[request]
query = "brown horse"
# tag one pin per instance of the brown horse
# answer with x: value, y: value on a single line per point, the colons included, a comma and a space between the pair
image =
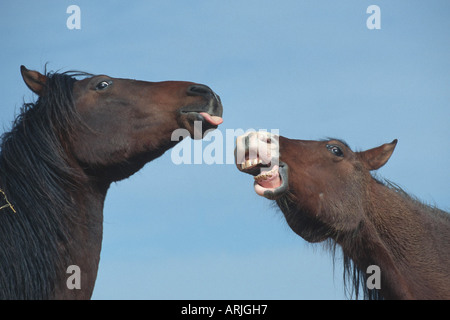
x: 59, y: 159
x: 326, y: 192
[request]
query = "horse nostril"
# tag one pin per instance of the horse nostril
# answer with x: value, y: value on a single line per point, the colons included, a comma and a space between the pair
x: 200, y: 90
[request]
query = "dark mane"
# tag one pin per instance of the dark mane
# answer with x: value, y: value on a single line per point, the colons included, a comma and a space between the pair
x: 35, y: 174
x: 355, y: 279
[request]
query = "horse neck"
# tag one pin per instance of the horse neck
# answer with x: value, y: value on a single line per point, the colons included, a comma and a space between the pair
x: 409, y: 241
x: 87, y: 240
x: 46, y: 240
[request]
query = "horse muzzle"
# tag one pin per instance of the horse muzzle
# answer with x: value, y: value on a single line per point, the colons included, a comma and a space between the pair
x: 257, y: 154
x: 207, y: 113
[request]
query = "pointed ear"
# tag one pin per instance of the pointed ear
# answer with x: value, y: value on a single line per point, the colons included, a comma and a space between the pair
x: 375, y: 158
x: 34, y: 80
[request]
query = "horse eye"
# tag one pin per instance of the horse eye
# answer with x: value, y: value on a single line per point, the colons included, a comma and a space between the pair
x: 335, y: 150
x: 103, y: 85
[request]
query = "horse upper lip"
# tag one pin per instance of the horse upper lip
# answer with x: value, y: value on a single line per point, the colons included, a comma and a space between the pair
x: 197, y: 112
x: 212, y: 106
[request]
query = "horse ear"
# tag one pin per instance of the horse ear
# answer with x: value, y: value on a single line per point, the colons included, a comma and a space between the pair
x: 34, y: 80
x: 377, y: 157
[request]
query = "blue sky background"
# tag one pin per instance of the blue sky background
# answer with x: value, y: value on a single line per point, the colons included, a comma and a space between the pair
x: 311, y: 69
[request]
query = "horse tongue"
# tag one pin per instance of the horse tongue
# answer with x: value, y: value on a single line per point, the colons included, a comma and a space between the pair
x: 214, y: 120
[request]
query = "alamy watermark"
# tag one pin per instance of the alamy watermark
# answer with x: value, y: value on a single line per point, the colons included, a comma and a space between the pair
x: 374, y: 20
x: 374, y: 280
x: 217, y: 148
x: 74, y: 280
x: 73, y: 22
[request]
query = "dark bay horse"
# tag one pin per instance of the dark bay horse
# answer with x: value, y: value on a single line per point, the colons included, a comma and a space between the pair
x: 59, y: 159
x: 327, y: 193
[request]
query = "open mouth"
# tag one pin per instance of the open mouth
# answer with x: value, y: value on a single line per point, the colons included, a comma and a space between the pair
x: 258, y: 156
x: 270, y: 181
x: 253, y: 166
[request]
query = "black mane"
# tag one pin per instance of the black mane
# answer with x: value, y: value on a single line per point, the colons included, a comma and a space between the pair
x: 36, y: 175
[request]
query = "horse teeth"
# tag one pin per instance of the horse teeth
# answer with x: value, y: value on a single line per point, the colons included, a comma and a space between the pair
x: 265, y: 175
x: 250, y: 163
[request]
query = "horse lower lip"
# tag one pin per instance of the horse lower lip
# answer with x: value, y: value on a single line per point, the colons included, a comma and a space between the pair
x: 267, y: 181
x: 276, y: 187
